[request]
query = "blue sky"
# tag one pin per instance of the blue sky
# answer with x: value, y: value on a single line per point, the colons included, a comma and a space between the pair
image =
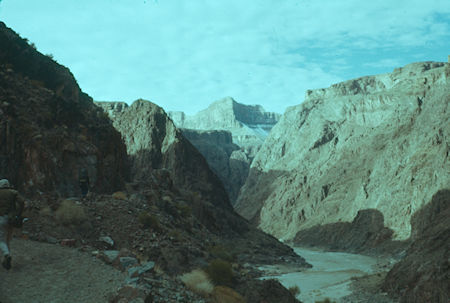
x: 183, y: 55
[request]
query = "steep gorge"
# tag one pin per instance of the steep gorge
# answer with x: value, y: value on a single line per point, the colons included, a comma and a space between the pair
x: 228, y: 134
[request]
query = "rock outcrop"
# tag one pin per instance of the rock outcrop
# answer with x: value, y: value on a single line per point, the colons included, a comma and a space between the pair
x: 154, y: 142
x: 247, y: 125
x: 50, y: 129
x: 378, y: 142
x: 423, y: 274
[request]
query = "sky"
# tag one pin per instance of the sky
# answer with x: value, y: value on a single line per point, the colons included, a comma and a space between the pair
x: 184, y: 55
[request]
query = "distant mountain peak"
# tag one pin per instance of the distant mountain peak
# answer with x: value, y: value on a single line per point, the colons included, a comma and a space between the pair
x: 228, y: 114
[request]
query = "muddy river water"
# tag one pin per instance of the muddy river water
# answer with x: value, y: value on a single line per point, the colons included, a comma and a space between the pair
x: 330, y: 275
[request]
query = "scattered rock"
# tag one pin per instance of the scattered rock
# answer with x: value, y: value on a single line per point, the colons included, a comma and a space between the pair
x: 108, y: 240
x: 109, y: 256
x: 126, y: 262
x: 68, y: 242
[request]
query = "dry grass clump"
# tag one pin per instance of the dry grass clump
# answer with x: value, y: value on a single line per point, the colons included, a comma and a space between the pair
x: 223, y: 294
x: 198, y: 281
x: 119, y: 195
x: 149, y: 221
x: 70, y: 213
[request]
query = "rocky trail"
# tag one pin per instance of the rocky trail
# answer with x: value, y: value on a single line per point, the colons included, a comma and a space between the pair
x: 44, y: 272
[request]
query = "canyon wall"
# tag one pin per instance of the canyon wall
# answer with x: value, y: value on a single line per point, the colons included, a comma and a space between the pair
x: 377, y: 142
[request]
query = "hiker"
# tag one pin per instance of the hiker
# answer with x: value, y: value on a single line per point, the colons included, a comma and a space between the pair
x: 83, y: 181
x: 11, y: 207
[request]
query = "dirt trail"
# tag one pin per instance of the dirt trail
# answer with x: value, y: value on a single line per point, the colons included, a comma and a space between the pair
x: 51, y: 273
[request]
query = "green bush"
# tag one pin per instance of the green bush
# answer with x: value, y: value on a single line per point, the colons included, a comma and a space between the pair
x: 294, y: 290
x: 149, y: 221
x: 219, y: 271
x: 327, y: 300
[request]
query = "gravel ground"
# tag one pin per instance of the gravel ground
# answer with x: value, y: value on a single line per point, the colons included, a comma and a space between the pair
x: 51, y: 273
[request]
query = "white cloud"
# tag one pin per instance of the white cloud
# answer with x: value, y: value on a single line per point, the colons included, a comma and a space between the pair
x: 185, y: 54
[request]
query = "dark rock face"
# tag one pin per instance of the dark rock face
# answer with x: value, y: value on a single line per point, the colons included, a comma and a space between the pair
x: 224, y: 157
x: 50, y: 129
x: 365, y: 232
x: 153, y: 142
x: 423, y: 275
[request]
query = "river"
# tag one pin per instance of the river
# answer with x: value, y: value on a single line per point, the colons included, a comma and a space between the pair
x: 330, y: 275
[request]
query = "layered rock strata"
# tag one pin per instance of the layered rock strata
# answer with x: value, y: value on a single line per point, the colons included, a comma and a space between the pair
x: 378, y: 142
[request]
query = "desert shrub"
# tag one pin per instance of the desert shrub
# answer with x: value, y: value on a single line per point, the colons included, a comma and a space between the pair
x: 220, y: 252
x: 119, y: 195
x: 223, y: 294
x: 198, y: 281
x: 149, y: 221
x: 219, y: 271
x: 70, y: 213
x: 294, y: 290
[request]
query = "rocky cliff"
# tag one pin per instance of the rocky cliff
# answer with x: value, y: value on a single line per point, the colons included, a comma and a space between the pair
x: 153, y: 142
x: 247, y: 125
x: 378, y: 142
x: 50, y: 129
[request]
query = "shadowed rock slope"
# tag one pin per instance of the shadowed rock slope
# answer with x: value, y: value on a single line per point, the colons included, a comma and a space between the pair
x: 50, y: 129
x: 154, y: 143
x: 378, y: 142
x: 423, y: 275
x: 226, y: 159
x: 228, y: 134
